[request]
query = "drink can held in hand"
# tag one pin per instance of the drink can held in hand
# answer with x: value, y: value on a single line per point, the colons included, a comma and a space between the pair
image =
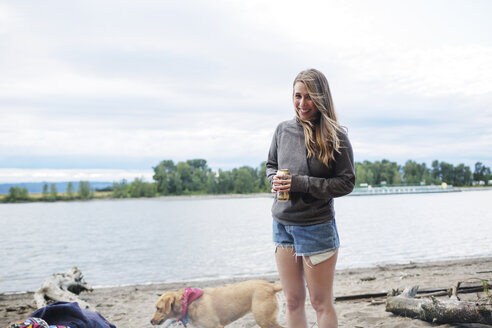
x: 283, y: 196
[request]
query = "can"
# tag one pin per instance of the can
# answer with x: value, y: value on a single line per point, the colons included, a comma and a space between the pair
x: 283, y: 196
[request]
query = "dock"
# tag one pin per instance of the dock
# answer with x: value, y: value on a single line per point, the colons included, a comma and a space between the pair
x: 393, y: 190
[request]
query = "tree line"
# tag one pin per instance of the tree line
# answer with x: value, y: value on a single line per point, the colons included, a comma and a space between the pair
x: 194, y: 177
x: 386, y: 172
x: 49, y: 193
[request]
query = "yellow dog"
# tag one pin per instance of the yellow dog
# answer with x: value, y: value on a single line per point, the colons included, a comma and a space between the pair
x: 220, y: 306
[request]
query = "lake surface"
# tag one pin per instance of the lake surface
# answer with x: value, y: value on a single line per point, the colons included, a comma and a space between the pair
x: 136, y: 241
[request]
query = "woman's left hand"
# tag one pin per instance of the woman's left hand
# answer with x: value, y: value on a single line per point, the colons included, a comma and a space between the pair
x: 281, y: 183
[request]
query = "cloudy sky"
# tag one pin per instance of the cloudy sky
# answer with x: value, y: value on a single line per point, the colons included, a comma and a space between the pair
x: 103, y: 90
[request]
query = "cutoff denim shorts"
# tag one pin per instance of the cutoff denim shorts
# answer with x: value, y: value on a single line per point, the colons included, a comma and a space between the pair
x: 307, y: 240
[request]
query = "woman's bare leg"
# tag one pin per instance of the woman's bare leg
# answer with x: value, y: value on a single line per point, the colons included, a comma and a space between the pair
x: 319, y: 280
x: 290, y: 270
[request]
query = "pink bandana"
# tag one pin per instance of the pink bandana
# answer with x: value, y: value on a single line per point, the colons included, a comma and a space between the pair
x: 189, y: 295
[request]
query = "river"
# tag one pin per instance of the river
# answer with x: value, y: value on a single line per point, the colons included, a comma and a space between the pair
x: 136, y: 241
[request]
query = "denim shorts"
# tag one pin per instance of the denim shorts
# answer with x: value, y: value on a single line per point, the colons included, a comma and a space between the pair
x: 307, y: 240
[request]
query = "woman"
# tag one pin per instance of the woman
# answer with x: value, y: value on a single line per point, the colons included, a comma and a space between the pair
x: 317, y: 152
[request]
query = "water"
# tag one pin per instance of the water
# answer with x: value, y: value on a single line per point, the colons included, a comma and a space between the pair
x: 120, y: 242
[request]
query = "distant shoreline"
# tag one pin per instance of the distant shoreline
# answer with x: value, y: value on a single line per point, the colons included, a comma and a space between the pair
x: 36, y: 198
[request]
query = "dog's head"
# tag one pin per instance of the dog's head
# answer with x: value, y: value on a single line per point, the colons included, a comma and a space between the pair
x: 168, y: 306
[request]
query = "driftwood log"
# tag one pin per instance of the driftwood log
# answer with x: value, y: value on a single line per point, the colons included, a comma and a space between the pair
x: 63, y: 287
x: 431, y: 309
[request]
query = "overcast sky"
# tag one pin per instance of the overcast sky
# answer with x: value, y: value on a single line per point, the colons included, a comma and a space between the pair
x: 103, y: 90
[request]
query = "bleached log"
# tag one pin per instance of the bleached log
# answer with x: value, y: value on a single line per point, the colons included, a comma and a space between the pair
x: 438, y: 311
x: 63, y: 287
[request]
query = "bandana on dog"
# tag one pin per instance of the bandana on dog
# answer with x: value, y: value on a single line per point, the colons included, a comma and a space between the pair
x: 189, y: 295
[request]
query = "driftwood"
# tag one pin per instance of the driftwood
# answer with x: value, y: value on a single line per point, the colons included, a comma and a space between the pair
x: 420, y: 293
x: 360, y: 296
x: 431, y: 309
x: 63, y: 287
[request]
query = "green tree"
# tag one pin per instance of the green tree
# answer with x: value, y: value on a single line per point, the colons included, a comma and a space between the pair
x: 436, y: 172
x: 370, y: 178
x: 462, y: 175
x: 378, y: 172
x: 69, y: 192
x: 366, y: 172
x: 84, y: 190
x: 197, y: 165
x: 150, y: 189
x: 263, y: 183
x: 17, y: 194
x: 44, y: 193
x: 225, y: 182
x: 136, y: 188
x: 166, y: 177
x: 244, y: 181
x: 185, y: 173
x: 176, y: 184
x: 360, y: 173
x: 414, y: 173
x: 140, y: 188
x: 53, y: 193
x: 481, y: 173
x: 390, y: 172
x: 397, y: 179
x: 447, y: 172
x: 194, y: 176
x: 212, y: 183
x: 189, y: 177
x: 120, y: 189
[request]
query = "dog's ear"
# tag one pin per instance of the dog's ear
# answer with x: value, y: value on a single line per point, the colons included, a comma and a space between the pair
x: 166, y: 306
x: 163, y: 304
x: 170, y: 303
x: 176, y: 305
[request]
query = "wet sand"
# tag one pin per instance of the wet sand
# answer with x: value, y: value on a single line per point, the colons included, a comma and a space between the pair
x: 133, y: 306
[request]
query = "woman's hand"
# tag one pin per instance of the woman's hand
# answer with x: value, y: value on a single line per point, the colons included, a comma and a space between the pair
x: 281, y: 182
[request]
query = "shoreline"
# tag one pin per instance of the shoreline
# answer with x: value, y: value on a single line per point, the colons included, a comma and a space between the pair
x: 133, y: 305
x: 240, y: 277
x: 37, y: 199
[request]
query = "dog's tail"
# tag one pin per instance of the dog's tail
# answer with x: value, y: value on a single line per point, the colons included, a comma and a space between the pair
x: 277, y: 287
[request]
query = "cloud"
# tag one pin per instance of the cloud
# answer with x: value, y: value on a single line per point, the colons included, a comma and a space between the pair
x: 205, y: 135
x: 458, y: 71
x: 400, y: 46
x: 96, y: 84
x: 443, y: 140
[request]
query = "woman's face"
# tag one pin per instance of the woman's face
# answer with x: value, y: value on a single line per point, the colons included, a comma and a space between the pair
x: 303, y: 103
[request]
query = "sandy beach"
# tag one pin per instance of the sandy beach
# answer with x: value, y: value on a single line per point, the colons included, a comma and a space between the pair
x: 133, y: 306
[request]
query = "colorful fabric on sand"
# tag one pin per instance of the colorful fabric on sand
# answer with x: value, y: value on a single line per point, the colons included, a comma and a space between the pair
x: 33, y: 323
x: 189, y: 295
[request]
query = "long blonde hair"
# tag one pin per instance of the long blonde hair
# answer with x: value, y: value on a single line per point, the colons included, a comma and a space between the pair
x: 321, y: 135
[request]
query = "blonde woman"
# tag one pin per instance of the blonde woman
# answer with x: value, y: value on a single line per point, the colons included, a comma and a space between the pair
x: 317, y: 152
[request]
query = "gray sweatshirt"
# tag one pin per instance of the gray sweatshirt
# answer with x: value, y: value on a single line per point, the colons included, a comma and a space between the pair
x: 314, y: 185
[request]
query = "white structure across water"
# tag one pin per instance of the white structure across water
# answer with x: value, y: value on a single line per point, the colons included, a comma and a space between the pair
x: 369, y: 190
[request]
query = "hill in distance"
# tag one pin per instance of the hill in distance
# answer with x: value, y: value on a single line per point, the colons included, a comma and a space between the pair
x: 37, y: 187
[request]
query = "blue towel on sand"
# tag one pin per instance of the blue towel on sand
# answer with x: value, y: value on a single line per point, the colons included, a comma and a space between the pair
x: 70, y: 314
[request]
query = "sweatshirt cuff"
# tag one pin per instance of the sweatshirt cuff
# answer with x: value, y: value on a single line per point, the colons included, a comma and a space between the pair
x: 299, y: 183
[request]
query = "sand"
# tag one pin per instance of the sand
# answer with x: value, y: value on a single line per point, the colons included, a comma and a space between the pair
x: 133, y: 306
